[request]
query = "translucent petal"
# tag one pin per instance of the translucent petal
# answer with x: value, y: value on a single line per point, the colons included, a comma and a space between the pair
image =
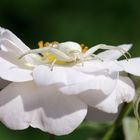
x: 124, y: 92
x: 24, y: 104
x: 114, y: 54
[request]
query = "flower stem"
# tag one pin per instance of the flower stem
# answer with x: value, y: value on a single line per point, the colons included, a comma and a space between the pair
x: 51, y: 137
x: 124, y: 111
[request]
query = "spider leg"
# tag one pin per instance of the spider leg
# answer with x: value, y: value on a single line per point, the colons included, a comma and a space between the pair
x: 77, y: 56
x: 52, y: 64
x: 106, y: 47
x: 40, y: 50
x: 60, y: 55
x: 52, y: 51
x: 81, y: 58
x: 96, y: 56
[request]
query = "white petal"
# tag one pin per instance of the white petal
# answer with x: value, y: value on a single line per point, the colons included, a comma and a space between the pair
x: 114, y: 54
x: 12, y: 112
x: 11, y: 40
x: 127, y: 90
x: 7, y: 58
x: 124, y: 92
x: 11, y: 72
x: 44, y: 76
x: 113, y: 66
x: 97, y: 67
x: 5, y: 64
x: 59, y: 75
x: 131, y: 66
x: 16, y: 74
x: 9, y: 46
x: 99, y: 86
x: 97, y: 115
x: 10, y: 49
x: 3, y: 83
x: 23, y: 104
x: 91, y: 67
x: 27, y: 62
x: 12, y: 45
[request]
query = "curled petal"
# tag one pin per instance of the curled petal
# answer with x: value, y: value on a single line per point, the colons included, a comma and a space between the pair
x: 91, y: 67
x: 9, y: 41
x: 44, y: 76
x: 131, y: 66
x: 99, y: 86
x: 11, y: 72
x: 43, y: 108
x: 124, y: 92
x: 16, y: 75
x: 27, y: 62
x: 97, y: 115
x: 114, y: 54
x: 3, y: 83
x: 10, y: 59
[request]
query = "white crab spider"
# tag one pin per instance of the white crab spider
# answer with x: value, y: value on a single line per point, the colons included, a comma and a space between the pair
x: 72, y: 52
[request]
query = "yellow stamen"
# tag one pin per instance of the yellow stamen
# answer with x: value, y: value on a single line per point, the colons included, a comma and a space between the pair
x: 51, y: 58
x: 54, y: 44
x: 84, y: 48
x: 46, y: 44
x: 40, y: 44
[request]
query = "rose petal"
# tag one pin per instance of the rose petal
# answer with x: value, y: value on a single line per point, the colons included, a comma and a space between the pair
x: 3, y: 83
x: 91, y: 67
x: 44, y: 76
x: 16, y: 74
x: 131, y: 66
x: 11, y: 40
x: 113, y: 66
x: 114, y: 54
x: 10, y: 59
x: 59, y: 75
x: 97, y: 115
x: 11, y: 72
x: 27, y: 62
x: 124, y: 92
x: 24, y: 104
x: 9, y: 46
x: 10, y: 50
x: 100, y: 85
x: 12, y: 112
x: 5, y: 64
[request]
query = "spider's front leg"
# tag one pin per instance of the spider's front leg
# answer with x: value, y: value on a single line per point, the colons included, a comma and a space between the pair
x: 52, y: 64
x: 52, y: 52
x: 40, y: 50
x: 93, y: 49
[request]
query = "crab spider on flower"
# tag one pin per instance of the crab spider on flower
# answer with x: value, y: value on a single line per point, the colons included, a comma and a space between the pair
x: 56, y: 101
x: 71, y: 52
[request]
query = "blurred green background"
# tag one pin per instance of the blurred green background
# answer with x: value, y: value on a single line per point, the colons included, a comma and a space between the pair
x: 85, y: 21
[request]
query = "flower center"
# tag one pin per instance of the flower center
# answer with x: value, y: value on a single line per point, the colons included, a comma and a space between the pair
x: 46, y: 55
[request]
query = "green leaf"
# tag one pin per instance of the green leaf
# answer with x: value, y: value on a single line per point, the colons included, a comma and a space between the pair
x: 86, y: 131
x: 130, y: 127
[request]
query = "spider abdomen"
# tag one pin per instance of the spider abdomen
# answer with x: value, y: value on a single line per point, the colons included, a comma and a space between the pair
x: 69, y: 47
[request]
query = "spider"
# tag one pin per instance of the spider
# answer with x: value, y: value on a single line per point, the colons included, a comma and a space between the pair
x: 70, y: 52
